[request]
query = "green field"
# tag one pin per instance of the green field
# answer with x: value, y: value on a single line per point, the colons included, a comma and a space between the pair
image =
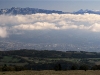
x: 51, y: 72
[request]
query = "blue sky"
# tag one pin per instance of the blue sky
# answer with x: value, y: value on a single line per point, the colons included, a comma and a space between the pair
x: 63, y: 5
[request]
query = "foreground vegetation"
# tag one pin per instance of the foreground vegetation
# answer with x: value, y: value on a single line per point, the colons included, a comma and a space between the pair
x: 51, y: 72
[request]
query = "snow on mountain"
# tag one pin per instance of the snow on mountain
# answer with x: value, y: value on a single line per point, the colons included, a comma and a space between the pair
x: 81, y: 11
x: 24, y: 11
x: 27, y: 10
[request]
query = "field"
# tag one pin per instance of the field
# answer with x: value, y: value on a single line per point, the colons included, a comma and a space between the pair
x: 50, y: 72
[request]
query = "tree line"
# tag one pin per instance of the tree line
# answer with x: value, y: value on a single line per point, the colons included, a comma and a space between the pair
x: 56, y: 67
x: 50, y: 54
x: 84, y: 67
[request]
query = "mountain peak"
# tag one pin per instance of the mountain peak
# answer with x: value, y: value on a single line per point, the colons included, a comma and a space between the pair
x: 81, y: 11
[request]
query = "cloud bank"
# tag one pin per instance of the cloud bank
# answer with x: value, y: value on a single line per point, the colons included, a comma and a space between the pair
x: 12, y: 24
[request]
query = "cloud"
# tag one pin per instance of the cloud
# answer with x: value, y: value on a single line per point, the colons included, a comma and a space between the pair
x: 36, y: 26
x: 3, y: 32
x: 95, y: 27
x: 15, y: 23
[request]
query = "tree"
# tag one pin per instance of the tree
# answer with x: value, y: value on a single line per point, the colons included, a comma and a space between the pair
x: 84, y: 67
x: 58, y: 67
x: 95, y: 67
x: 74, y: 67
x: 4, y: 68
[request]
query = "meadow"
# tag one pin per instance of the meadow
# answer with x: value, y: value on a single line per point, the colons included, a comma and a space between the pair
x: 51, y: 72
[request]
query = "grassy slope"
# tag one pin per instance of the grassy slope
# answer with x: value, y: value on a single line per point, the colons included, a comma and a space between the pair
x: 49, y: 72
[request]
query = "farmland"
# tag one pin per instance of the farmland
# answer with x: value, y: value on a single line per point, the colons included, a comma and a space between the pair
x: 47, y: 60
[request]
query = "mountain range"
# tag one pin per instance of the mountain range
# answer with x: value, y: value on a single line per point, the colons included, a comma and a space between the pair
x: 27, y: 10
x: 24, y: 11
x: 81, y: 11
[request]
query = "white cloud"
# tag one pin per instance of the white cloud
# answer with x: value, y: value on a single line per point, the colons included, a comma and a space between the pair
x: 11, y: 23
x: 3, y: 32
x: 36, y: 26
x: 95, y: 27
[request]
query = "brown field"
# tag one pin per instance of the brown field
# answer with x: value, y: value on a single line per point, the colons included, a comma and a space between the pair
x: 50, y: 72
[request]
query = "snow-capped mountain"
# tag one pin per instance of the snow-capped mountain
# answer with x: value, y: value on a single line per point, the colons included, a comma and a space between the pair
x: 24, y: 11
x: 81, y: 11
x: 27, y: 10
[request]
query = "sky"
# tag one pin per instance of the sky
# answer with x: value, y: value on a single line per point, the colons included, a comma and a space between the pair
x: 63, y: 5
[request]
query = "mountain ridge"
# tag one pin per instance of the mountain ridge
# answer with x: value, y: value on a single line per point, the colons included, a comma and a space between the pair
x: 27, y: 10
x: 24, y: 11
x: 81, y: 11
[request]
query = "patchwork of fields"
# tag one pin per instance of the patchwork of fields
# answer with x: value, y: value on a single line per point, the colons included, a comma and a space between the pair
x: 47, y: 60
